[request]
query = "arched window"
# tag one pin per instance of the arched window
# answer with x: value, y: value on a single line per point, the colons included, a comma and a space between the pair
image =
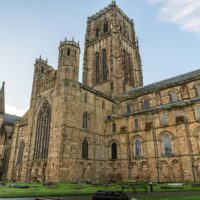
x: 129, y: 108
x: 114, y: 151
x: 130, y: 69
x: 85, y: 120
x: 164, y: 119
x: 85, y: 149
x: 103, y: 104
x: 167, y: 147
x: 104, y: 65
x: 197, y: 112
x: 113, y: 127
x: 124, y: 63
x: 136, y: 125
x: 97, y: 32
x: 20, y: 152
x: 105, y: 27
x: 146, y: 104
x: 198, y: 90
x: 68, y: 52
x: 42, y: 131
x: 97, y: 67
x: 174, y: 97
x: 138, y: 148
x: 85, y: 98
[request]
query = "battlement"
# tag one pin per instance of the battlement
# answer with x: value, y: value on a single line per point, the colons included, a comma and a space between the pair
x: 106, y: 9
x: 69, y: 42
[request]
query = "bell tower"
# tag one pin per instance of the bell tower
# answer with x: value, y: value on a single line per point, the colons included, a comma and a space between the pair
x: 112, y: 61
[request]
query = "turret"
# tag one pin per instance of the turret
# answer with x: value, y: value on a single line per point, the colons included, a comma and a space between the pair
x: 2, y: 99
x: 69, y: 58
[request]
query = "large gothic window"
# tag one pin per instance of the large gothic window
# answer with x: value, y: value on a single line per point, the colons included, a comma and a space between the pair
x: 104, y: 67
x: 85, y: 149
x: 130, y: 70
x: 97, y: 67
x: 20, y: 152
x: 127, y: 67
x: 167, y: 147
x: 42, y: 131
x: 114, y: 151
x: 138, y: 149
x: 85, y: 120
x: 124, y: 62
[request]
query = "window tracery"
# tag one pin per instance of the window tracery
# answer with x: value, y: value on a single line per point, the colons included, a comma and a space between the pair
x: 42, y: 131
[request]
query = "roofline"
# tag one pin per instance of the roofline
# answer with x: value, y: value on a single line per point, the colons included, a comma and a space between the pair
x: 164, y: 84
x: 96, y: 92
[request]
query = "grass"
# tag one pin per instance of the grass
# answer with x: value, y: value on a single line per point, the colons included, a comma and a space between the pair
x: 169, y: 198
x: 37, y: 189
x: 62, y: 189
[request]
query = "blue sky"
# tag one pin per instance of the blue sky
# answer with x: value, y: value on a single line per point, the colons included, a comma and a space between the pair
x: 168, y: 31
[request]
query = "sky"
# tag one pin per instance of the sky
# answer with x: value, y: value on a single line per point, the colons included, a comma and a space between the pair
x: 168, y: 32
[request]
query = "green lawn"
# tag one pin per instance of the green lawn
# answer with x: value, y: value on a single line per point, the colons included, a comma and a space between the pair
x: 62, y: 189
x: 170, y: 198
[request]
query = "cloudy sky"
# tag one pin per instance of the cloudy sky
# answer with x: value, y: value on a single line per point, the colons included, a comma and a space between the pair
x: 168, y: 31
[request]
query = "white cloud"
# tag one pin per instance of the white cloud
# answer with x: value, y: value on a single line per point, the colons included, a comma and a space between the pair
x: 184, y: 13
x: 15, y: 111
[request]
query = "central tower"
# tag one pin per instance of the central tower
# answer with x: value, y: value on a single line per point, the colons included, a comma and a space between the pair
x: 112, y: 63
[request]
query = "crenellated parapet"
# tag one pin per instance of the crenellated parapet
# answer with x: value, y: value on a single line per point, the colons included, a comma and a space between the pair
x: 106, y: 9
x: 69, y: 42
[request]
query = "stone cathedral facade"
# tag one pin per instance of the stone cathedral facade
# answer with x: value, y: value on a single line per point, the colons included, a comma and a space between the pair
x: 110, y: 127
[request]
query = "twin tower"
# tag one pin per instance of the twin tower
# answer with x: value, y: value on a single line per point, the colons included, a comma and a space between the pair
x: 112, y: 63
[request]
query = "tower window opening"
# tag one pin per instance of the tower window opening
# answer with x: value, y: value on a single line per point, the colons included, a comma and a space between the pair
x: 114, y: 151
x: 85, y: 149
x: 104, y: 66
x: 97, y: 67
x: 105, y: 27
x: 68, y: 52
x: 97, y: 32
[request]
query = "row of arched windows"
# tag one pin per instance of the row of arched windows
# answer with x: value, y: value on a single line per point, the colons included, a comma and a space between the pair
x: 173, y: 98
x: 101, y: 67
x: 166, y: 145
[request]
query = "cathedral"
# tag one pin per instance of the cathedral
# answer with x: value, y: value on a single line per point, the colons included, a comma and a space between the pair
x: 110, y: 127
